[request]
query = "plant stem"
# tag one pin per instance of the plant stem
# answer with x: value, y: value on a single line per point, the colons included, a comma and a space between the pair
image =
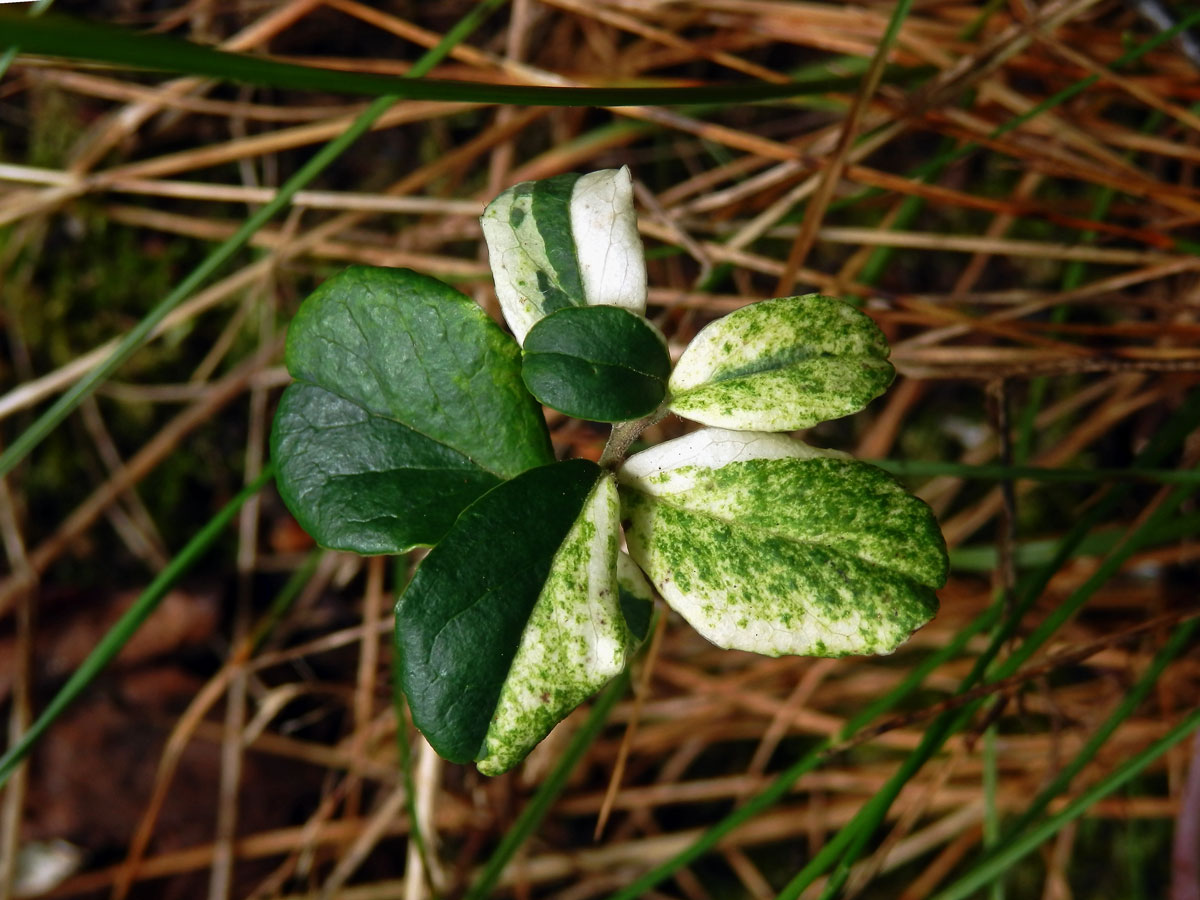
x: 623, y: 435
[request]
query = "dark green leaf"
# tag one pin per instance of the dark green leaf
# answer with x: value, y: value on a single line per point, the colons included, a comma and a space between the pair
x: 601, y: 363
x: 513, y: 619
x: 637, y: 598
x: 366, y: 483
x: 410, y: 406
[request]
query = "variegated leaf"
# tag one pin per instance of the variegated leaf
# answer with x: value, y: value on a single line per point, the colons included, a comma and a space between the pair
x: 766, y: 544
x: 780, y: 365
x: 514, y: 618
x: 570, y: 240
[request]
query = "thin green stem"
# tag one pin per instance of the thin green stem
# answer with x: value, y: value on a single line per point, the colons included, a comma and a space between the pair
x: 779, y: 788
x: 852, y: 839
x: 991, y: 810
x: 1019, y: 847
x: 1180, y: 639
x: 539, y: 804
x: 997, y: 472
x: 117, y: 636
x: 1073, y: 277
x: 137, y: 336
x: 115, y: 639
x: 1098, y: 543
x: 941, y: 160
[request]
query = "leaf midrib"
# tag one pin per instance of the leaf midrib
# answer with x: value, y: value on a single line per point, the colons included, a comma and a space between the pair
x: 390, y: 418
x: 598, y: 362
x: 781, y: 361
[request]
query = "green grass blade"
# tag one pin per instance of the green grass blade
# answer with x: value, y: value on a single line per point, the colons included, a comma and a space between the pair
x: 997, y: 472
x: 779, y: 788
x: 539, y: 804
x: 1037, y: 553
x: 1030, y: 841
x: 7, y: 57
x: 1073, y: 277
x: 286, y: 596
x: 1176, y: 644
x: 851, y: 840
x: 138, y: 335
x: 63, y: 37
x: 117, y: 636
x: 941, y: 160
x: 991, y: 811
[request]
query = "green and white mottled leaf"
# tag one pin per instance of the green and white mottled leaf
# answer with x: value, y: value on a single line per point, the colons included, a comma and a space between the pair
x: 570, y: 240
x: 780, y: 365
x: 601, y: 363
x: 765, y: 544
x: 409, y: 405
x: 514, y: 618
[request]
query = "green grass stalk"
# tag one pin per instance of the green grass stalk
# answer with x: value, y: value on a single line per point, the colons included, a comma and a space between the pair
x: 117, y: 636
x: 850, y: 841
x: 137, y: 336
x: 1025, y: 844
x: 539, y: 804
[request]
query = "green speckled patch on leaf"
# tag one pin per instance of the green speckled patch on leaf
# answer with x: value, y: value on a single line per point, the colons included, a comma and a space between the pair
x: 780, y: 365
x: 787, y: 553
x: 574, y: 641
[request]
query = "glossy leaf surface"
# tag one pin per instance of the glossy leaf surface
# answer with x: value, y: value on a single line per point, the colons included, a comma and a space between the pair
x: 514, y: 618
x: 765, y: 544
x: 601, y: 363
x: 637, y: 597
x: 378, y: 446
x: 780, y: 365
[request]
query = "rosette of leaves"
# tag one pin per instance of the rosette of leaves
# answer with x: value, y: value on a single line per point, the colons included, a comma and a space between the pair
x: 414, y: 421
